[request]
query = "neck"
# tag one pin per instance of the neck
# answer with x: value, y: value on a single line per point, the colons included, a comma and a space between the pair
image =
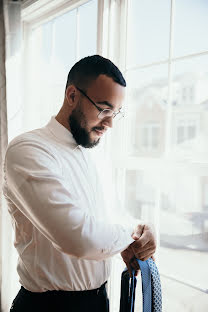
x: 61, y: 118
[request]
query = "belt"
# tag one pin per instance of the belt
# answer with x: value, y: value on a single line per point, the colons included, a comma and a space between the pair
x: 65, y: 292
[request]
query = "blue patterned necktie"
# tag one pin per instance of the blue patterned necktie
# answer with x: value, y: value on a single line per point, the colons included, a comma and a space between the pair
x: 156, y: 286
x: 151, y: 288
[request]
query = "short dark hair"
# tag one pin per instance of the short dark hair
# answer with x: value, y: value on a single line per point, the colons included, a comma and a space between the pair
x: 89, y: 68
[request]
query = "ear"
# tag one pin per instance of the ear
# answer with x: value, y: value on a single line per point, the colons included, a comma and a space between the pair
x: 71, y: 95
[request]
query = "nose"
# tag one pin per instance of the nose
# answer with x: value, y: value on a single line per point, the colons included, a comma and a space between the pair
x: 108, y: 122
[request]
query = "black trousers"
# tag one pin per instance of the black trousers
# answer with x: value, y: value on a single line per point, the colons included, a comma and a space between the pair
x: 95, y: 300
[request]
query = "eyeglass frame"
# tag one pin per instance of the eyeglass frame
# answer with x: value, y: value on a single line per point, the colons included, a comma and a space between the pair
x: 99, y: 108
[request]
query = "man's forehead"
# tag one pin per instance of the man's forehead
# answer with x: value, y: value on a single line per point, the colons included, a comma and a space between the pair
x: 105, y: 88
x: 103, y: 81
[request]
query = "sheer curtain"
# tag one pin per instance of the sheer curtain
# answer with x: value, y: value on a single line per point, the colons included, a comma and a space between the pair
x: 10, y: 126
x: 3, y: 111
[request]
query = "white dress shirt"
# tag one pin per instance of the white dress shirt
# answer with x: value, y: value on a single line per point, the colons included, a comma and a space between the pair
x: 55, y: 199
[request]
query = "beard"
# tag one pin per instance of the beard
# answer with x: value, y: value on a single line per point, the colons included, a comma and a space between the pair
x: 80, y: 134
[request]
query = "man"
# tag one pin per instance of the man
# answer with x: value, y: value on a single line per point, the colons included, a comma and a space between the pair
x: 52, y: 188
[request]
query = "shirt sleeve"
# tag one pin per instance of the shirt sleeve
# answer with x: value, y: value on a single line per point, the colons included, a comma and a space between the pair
x: 36, y: 186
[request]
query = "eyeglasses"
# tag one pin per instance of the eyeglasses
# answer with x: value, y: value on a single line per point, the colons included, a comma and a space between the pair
x: 104, y: 113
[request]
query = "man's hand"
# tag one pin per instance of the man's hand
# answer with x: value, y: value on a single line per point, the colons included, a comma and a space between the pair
x: 142, y: 248
x: 128, y: 254
x: 145, y: 243
x: 130, y: 260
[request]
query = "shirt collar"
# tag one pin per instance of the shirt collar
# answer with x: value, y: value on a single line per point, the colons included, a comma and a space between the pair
x: 60, y: 132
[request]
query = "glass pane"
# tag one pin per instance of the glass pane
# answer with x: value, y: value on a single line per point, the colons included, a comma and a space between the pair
x: 180, y: 134
x: 148, y: 31
x: 46, y: 48
x: 88, y: 29
x: 191, y: 132
x: 144, y: 137
x: 52, y: 52
x: 64, y: 45
x: 146, y: 111
x: 140, y: 194
x: 190, y: 111
x: 155, y: 136
x: 190, y: 27
x: 184, y: 240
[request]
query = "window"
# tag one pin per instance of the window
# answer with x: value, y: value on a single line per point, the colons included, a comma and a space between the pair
x: 186, y: 130
x: 161, y: 36
x: 150, y: 136
x: 53, y: 47
x: 190, y: 27
x: 148, y: 31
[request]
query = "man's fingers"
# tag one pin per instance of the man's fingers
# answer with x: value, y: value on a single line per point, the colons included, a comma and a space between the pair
x: 137, y: 248
x: 138, y: 231
x: 141, y: 242
x: 129, y: 269
x: 135, y: 264
x: 145, y: 242
x: 136, y: 236
x: 146, y: 257
x: 145, y: 238
x: 144, y: 245
x: 144, y: 253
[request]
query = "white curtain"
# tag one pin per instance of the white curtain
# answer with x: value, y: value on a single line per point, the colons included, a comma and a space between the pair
x: 3, y: 111
x: 10, y: 126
